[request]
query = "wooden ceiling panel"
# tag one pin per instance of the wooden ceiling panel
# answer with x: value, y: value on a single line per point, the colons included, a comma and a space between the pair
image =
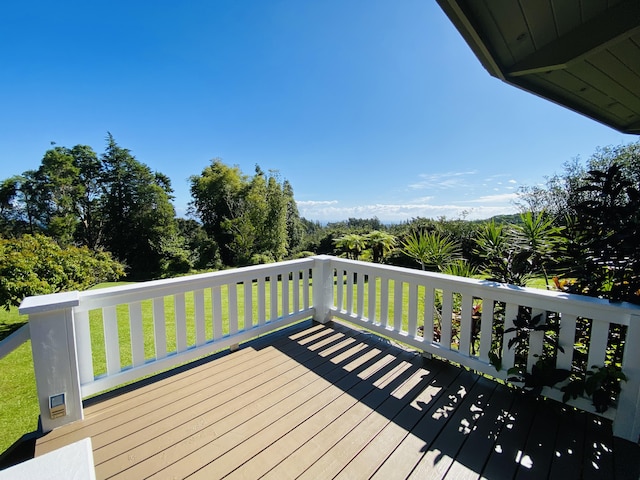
x: 628, y: 53
x: 566, y: 14
x: 539, y: 17
x: 513, y: 28
x: 592, y: 8
x: 584, y: 54
x: 485, y: 23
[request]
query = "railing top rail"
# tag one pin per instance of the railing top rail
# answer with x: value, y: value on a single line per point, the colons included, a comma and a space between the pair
x: 156, y: 288
x: 13, y: 341
x: 580, y: 305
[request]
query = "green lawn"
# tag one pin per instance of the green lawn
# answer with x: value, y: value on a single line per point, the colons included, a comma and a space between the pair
x: 18, y: 398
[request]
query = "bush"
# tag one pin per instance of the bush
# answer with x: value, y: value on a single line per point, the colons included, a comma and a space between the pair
x: 36, y: 265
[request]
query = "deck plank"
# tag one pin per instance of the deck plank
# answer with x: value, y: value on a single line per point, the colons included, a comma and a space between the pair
x: 379, y: 448
x: 336, y: 413
x: 329, y: 401
x: 412, y: 448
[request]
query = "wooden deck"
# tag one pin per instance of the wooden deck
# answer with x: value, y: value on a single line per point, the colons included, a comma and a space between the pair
x: 325, y: 401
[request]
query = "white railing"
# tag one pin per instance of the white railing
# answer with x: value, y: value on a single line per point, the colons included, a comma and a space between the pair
x: 79, y: 348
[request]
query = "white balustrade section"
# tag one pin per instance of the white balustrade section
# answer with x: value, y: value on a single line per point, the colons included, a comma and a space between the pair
x: 434, y: 313
x: 141, y: 329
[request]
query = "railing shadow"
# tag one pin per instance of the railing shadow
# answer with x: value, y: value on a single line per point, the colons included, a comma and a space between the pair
x: 454, y: 422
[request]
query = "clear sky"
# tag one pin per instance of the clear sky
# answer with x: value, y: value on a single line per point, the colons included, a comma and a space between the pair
x: 368, y: 107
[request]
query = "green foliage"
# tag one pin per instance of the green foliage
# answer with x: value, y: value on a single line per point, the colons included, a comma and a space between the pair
x: 603, y: 236
x: 246, y: 216
x: 460, y: 268
x: 138, y: 215
x: 602, y: 384
x: 36, y: 265
x: 515, y: 253
x: 543, y: 374
x: 380, y: 243
x: 112, y: 203
x: 524, y: 325
x: 351, y: 245
x: 431, y: 249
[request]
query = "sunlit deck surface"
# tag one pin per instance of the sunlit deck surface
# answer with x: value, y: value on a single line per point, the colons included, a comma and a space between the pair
x: 322, y: 401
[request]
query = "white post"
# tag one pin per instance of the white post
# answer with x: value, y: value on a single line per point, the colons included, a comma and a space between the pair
x: 627, y: 422
x: 322, y: 288
x: 55, y: 359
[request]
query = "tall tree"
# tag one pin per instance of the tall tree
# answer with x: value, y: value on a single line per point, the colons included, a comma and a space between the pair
x: 247, y: 216
x: 138, y: 215
x: 216, y: 194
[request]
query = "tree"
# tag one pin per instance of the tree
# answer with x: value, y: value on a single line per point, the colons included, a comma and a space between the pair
x: 37, y: 265
x: 603, y: 236
x: 216, y: 194
x: 351, y: 245
x: 139, y: 219
x: 295, y: 227
x: 539, y: 239
x: 381, y: 244
x: 501, y: 257
x: 431, y: 249
x: 249, y: 218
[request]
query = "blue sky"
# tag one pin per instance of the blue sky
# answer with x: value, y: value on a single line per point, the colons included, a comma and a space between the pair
x: 369, y: 108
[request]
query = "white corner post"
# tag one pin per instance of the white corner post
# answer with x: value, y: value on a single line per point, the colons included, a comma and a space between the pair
x: 627, y: 422
x: 322, y: 288
x: 55, y: 359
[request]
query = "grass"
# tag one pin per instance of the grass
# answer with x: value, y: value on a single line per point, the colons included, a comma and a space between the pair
x: 18, y: 397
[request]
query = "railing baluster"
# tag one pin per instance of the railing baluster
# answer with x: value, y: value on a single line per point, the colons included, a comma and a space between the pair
x: 85, y: 354
x: 566, y: 340
x: 371, y: 301
x: 273, y: 289
x: 508, y: 354
x: 248, y: 305
x: 216, y: 306
x: 536, y: 341
x: 232, y: 299
x: 285, y: 294
x: 136, y: 334
x: 350, y: 275
x: 159, y: 328
x: 111, y: 339
x: 398, y: 305
x: 384, y: 301
x: 181, y: 322
x: 429, y: 314
x: 305, y: 291
x: 262, y: 307
x: 486, y: 328
x: 339, y: 289
x: 360, y: 296
x: 198, y: 301
x: 412, y: 326
x: 598, y: 343
x: 465, y: 324
x: 446, y: 319
x: 296, y: 290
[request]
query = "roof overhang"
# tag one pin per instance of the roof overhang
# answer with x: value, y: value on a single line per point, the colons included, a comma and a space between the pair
x: 584, y: 55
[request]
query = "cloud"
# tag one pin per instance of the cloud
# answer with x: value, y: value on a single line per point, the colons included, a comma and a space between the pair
x: 394, y: 213
x: 314, y: 203
x: 443, y: 181
x: 499, y: 198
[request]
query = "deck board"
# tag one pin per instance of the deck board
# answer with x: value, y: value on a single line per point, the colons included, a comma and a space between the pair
x: 329, y: 401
